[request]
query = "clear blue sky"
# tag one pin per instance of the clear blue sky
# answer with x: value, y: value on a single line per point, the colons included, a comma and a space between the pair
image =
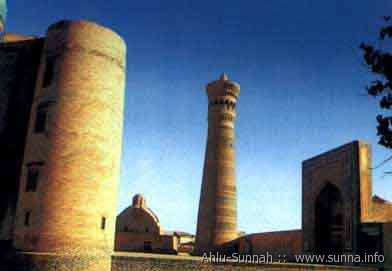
x: 302, y: 82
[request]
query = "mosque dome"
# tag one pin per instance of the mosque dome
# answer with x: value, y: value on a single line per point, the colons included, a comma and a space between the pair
x: 138, y: 201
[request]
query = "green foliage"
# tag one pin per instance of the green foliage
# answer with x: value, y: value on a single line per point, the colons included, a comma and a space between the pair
x: 3, y: 10
x: 379, y: 61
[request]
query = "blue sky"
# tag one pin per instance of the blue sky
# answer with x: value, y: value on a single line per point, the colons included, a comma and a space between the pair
x: 302, y: 93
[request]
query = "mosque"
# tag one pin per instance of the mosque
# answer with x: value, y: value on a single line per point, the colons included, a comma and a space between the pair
x: 138, y: 229
x: 61, y: 116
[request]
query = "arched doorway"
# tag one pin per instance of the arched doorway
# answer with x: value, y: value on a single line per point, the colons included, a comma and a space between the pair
x: 329, y: 221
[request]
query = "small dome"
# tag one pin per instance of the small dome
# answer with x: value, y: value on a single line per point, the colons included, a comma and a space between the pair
x: 224, y: 77
x: 138, y: 201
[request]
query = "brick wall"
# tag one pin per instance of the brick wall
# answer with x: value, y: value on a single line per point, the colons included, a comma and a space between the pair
x: 18, y: 71
x: 345, y: 168
x: 281, y: 245
x: 143, y: 262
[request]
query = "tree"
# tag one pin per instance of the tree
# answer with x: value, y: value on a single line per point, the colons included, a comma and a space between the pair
x: 379, y: 61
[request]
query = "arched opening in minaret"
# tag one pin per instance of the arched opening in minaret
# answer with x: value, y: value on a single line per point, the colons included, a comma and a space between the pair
x: 329, y: 221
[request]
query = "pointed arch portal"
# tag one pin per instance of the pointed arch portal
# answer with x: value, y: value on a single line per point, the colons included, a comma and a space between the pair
x: 329, y: 221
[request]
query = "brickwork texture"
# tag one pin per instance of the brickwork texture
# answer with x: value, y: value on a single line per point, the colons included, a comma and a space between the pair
x: 73, y: 210
x: 217, y: 217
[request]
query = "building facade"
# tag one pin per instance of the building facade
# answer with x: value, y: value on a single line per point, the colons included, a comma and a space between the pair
x: 19, y: 65
x: 138, y: 230
x: 340, y: 214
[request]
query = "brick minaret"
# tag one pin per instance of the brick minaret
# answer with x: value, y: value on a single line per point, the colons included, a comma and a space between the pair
x: 217, y: 218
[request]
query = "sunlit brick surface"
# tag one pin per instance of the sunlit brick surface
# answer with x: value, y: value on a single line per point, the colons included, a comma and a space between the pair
x: 217, y: 218
x: 80, y: 148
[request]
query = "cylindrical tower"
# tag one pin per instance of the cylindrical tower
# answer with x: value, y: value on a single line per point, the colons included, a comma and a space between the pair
x: 69, y: 182
x: 217, y: 218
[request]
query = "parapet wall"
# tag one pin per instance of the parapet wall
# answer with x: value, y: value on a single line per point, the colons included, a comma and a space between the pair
x: 143, y: 262
x: 19, y: 63
x: 283, y: 245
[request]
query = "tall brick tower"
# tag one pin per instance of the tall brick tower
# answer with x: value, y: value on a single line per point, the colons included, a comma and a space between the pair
x: 217, y: 218
x: 69, y: 181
